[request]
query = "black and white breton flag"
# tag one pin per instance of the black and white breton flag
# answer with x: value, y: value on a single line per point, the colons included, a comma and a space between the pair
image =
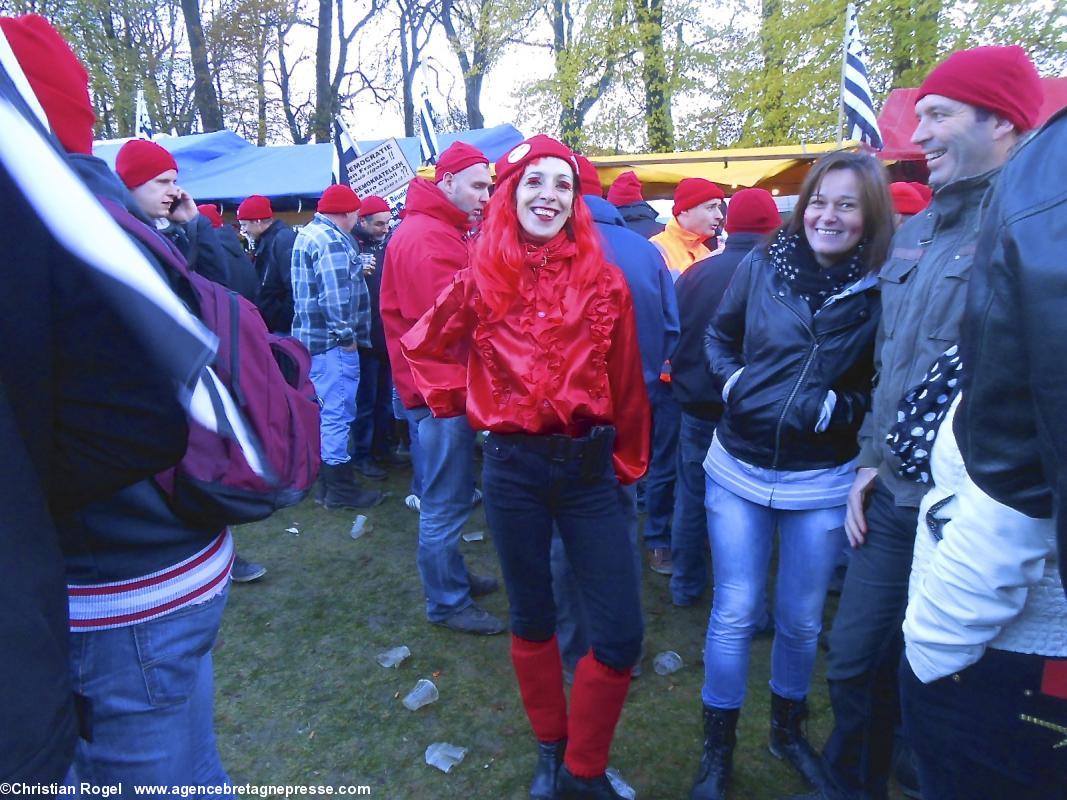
x: 131, y: 286
x: 345, y: 151
x: 427, y: 132
x: 861, y: 123
x: 142, y: 128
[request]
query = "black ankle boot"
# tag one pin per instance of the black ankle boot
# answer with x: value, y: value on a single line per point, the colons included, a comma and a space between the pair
x: 717, y: 760
x: 342, y: 491
x: 570, y: 787
x: 549, y: 759
x: 788, y: 742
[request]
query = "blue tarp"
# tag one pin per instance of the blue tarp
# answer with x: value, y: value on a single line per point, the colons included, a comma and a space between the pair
x: 223, y: 168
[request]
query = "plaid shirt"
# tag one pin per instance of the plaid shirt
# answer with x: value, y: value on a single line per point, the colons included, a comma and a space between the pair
x: 331, y: 305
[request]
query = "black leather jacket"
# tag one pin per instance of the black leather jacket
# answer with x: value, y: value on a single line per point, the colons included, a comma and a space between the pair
x: 1012, y: 424
x: 791, y: 359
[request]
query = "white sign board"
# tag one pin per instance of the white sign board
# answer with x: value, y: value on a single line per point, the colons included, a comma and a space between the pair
x: 381, y: 171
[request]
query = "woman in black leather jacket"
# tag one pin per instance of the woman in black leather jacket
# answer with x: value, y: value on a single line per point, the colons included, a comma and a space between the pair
x: 792, y: 347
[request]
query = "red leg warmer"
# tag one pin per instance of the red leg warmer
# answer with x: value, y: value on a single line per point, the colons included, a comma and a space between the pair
x: 540, y: 672
x: 596, y: 703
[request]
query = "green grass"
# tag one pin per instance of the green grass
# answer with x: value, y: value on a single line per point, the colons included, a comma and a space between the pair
x: 301, y: 700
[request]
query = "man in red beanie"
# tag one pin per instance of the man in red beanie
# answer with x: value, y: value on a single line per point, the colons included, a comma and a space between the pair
x: 272, y: 256
x: 372, y: 432
x: 972, y: 109
x: 424, y: 254
x: 752, y: 215
x: 625, y: 194
x: 151, y: 174
x: 331, y: 317
x: 139, y: 638
x: 698, y: 206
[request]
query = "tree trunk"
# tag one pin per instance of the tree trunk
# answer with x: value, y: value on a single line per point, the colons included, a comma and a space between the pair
x: 207, y: 102
x: 659, y: 125
x: 323, y: 87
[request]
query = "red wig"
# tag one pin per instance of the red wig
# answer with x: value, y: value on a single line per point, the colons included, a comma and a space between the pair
x: 500, y: 251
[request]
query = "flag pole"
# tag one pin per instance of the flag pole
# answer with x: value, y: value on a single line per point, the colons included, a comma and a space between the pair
x: 844, y: 65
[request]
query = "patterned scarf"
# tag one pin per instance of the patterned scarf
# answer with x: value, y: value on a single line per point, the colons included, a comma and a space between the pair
x: 920, y: 413
x: 795, y: 262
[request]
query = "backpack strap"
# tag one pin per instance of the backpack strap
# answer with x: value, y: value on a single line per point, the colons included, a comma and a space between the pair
x: 160, y: 246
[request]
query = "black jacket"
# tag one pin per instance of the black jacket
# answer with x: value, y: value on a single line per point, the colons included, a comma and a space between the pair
x: 205, y: 253
x: 791, y: 359
x: 273, y: 260
x: 83, y: 412
x: 1012, y: 423
x: 374, y: 289
x: 641, y: 218
x: 699, y: 290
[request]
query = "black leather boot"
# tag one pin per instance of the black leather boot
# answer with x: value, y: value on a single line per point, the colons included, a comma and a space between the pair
x: 342, y: 491
x: 717, y: 760
x: 789, y: 743
x: 549, y: 759
x: 570, y: 787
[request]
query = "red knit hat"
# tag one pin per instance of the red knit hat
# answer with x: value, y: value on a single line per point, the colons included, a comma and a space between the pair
x: 1001, y: 79
x: 56, y: 76
x: 534, y: 148
x: 905, y: 199
x: 456, y: 158
x: 925, y: 192
x: 338, y: 199
x: 752, y: 211
x: 373, y: 205
x: 691, y: 192
x: 588, y: 178
x: 140, y: 160
x: 626, y: 190
x: 211, y: 211
x: 254, y: 207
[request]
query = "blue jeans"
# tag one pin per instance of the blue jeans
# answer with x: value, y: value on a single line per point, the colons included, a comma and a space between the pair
x: 571, y: 619
x: 151, y: 696
x: 976, y: 734
x: 373, y: 425
x: 742, y: 537
x: 414, y: 416
x: 659, y: 491
x: 689, y: 531
x: 526, y: 493
x: 335, y: 375
x: 446, y: 460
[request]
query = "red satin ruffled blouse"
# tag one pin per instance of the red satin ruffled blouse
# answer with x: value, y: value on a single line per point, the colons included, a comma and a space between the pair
x: 562, y: 359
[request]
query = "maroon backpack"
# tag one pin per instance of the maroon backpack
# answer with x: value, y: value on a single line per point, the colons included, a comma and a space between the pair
x: 268, y: 378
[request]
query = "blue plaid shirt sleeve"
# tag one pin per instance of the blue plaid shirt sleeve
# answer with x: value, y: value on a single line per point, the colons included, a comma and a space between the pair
x: 334, y: 269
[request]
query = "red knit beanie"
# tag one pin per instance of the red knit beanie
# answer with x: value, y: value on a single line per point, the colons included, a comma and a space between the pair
x: 626, y: 190
x: 255, y: 207
x: 338, y: 199
x: 140, y: 160
x: 691, y: 192
x: 905, y: 199
x: 752, y: 211
x: 373, y: 205
x: 534, y: 148
x: 456, y: 158
x: 56, y: 76
x: 588, y: 177
x: 925, y: 192
x: 1001, y: 79
x: 211, y: 211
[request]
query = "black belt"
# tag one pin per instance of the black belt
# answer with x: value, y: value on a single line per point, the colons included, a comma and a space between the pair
x: 561, y: 447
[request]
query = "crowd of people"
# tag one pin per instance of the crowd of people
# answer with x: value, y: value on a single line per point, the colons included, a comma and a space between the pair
x: 873, y: 386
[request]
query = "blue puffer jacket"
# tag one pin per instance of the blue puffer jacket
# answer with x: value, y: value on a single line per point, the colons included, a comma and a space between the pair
x: 655, y: 304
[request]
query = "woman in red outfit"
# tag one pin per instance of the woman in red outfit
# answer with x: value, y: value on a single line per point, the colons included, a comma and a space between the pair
x: 536, y: 341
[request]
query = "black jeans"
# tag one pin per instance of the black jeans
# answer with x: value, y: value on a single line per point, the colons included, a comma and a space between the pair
x: 525, y: 493
x: 988, y: 732
x: 865, y: 647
